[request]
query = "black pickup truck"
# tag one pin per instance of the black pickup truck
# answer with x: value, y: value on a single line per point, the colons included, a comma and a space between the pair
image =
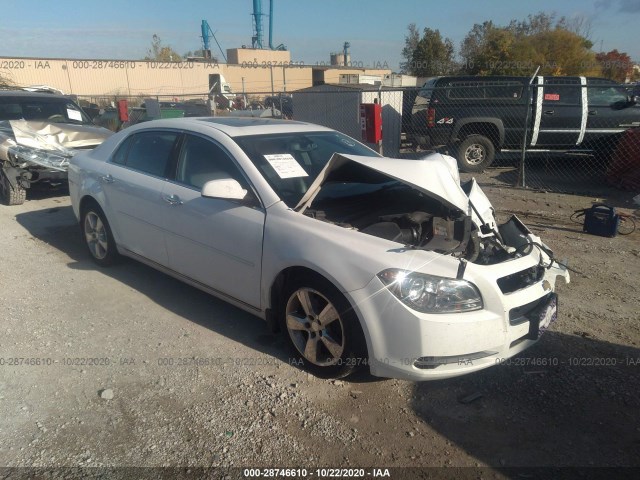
x: 475, y: 117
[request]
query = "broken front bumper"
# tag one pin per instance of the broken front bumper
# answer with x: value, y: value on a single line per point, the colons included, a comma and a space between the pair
x: 404, y: 343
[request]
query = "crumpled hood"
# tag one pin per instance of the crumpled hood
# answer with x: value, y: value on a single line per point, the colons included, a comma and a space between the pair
x: 60, y: 140
x: 435, y: 175
x: 53, y: 136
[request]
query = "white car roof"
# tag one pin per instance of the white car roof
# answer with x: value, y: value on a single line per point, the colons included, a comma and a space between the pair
x: 238, y: 126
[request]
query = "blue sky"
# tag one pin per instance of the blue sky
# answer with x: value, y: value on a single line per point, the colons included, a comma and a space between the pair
x: 311, y: 30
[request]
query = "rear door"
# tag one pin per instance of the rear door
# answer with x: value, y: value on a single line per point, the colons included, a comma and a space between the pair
x: 557, y: 112
x: 609, y: 111
x: 132, y: 181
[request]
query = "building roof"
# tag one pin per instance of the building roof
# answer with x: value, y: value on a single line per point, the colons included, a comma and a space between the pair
x: 361, y: 87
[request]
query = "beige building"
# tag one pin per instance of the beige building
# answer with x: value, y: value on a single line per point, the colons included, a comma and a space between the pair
x: 249, y: 70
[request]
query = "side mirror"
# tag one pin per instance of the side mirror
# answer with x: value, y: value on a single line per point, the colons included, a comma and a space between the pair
x: 227, y: 189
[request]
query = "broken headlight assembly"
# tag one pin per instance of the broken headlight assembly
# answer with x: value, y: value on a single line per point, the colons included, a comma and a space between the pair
x: 22, y: 156
x: 431, y: 294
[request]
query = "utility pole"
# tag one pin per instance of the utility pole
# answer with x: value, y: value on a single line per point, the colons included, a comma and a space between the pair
x: 272, y: 92
x: 284, y: 79
x: 244, y: 96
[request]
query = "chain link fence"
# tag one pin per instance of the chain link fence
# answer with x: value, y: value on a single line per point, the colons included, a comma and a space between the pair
x: 563, y: 134
x: 571, y: 134
x: 103, y: 109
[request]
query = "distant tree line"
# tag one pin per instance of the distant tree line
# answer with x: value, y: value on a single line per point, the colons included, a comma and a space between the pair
x: 560, y: 46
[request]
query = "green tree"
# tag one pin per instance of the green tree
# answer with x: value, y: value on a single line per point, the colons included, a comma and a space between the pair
x: 559, y: 47
x: 411, y: 41
x: 473, y: 46
x: 161, y: 53
x: 433, y: 55
x: 561, y: 52
x: 497, y: 56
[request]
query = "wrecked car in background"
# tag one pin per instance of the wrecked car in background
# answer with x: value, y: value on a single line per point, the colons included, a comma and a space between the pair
x: 39, y: 133
x: 360, y: 260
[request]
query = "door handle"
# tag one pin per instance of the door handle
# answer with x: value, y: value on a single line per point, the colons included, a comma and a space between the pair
x: 172, y: 199
x: 548, y: 112
x: 593, y: 112
x: 107, y: 178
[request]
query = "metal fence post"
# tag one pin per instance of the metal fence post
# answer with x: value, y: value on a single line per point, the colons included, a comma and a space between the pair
x: 521, y: 181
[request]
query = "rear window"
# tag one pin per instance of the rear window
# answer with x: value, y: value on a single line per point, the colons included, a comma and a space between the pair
x: 427, y: 89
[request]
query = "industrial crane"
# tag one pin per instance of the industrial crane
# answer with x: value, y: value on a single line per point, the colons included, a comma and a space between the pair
x: 256, y: 40
x: 207, y: 33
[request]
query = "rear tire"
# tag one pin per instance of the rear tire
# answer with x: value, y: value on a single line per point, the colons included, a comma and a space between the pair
x: 11, y: 195
x: 475, y: 153
x: 321, y: 328
x: 97, y: 236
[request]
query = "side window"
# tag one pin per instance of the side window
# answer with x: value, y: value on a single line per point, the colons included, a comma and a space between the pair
x: 120, y: 155
x: 150, y: 152
x: 201, y: 160
x: 562, y: 95
x: 10, y: 111
x: 466, y: 90
x: 507, y: 90
x: 606, y: 95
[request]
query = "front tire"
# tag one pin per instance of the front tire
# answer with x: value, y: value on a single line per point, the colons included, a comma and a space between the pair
x: 321, y: 328
x: 97, y: 236
x: 475, y: 153
x: 11, y: 195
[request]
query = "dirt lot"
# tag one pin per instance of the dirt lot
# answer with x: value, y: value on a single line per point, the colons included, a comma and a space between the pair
x: 571, y: 400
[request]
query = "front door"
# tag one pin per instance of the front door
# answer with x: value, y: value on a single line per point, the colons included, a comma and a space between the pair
x: 610, y: 112
x: 216, y: 242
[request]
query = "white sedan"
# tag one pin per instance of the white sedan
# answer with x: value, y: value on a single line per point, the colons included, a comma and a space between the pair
x: 360, y: 260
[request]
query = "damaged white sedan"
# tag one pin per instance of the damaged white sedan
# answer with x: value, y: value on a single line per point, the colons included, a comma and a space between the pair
x: 360, y: 260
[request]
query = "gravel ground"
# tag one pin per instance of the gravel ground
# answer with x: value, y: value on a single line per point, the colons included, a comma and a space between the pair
x: 571, y: 400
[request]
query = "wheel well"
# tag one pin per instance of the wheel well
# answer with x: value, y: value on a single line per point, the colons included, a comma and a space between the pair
x: 488, y: 130
x: 278, y: 285
x: 86, y: 201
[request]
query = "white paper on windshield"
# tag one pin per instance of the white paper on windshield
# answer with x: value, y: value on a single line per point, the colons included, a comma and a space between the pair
x: 74, y: 115
x: 286, y: 166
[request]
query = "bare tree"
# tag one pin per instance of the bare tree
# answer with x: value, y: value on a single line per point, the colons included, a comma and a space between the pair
x: 6, y: 82
x: 161, y: 53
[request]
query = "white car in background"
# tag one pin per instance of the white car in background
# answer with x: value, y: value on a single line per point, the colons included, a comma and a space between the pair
x: 359, y: 259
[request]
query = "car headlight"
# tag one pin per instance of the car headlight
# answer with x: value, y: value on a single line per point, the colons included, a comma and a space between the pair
x: 431, y: 294
x: 23, y: 155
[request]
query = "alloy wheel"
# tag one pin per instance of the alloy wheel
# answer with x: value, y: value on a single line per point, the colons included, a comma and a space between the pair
x: 96, y: 235
x: 315, y: 327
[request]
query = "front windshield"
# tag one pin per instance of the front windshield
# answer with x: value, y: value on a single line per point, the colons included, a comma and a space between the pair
x: 290, y: 162
x: 53, y: 110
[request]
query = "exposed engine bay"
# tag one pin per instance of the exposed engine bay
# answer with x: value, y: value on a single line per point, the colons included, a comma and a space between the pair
x: 354, y: 196
x: 423, y: 223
